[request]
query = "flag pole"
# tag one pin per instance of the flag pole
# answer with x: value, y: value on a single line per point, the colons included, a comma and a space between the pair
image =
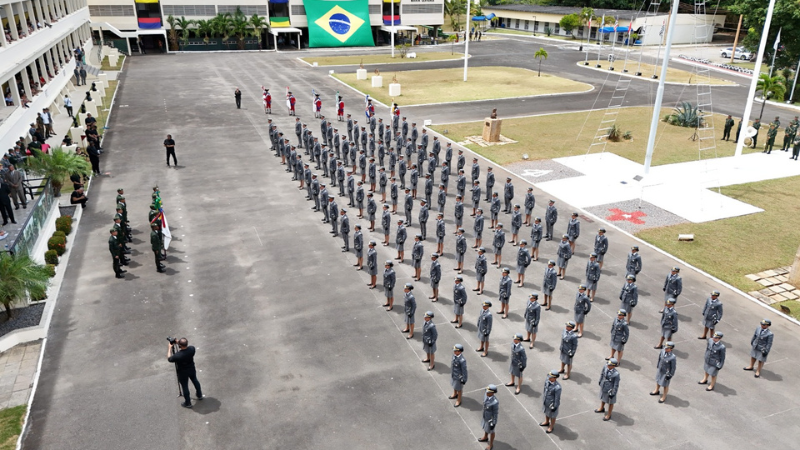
x: 466, y: 41
x: 774, y: 51
x: 600, y: 39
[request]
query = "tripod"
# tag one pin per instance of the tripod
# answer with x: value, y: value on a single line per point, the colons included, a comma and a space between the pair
x: 175, y: 350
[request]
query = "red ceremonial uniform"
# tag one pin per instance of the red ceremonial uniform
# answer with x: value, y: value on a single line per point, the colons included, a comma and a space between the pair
x: 291, y: 102
x: 268, y: 99
x: 341, y: 107
x: 318, y: 104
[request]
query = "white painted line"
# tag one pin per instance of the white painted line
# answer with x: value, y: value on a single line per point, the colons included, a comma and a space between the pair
x: 259, y: 237
x: 651, y: 80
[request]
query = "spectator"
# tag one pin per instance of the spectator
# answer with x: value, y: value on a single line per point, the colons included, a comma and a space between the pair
x: 78, y: 197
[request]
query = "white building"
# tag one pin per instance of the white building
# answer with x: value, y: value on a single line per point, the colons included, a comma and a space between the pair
x: 36, y: 62
x: 537, y: 19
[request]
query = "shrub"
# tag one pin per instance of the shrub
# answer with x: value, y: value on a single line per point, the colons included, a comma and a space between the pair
x: 60, y: 234
x: 51, y: 257
x: 52, y: 269
x: 615, y: 134
x: 686, y: 115
x: 627, y: 136
x: 64, y: 223
x: 57, y: 243
x: 38, y: 295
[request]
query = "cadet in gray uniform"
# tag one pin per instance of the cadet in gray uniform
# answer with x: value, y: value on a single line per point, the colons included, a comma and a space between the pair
x: 519, y: 361
x: 333, y: 211
x: 564, y: 254
x: 536, y: 237
x: 569, y: 345
x: 600, y: 246
x: 345, y: 229
x: 760, y: 345
x: 489, y: 184
x: 714, y: 360
x: 550, y: 218
x: 360, y: 199
x: 609, y: 386
x: 665, y: 370
x: 551, y: 400
x: 592, y: 275
x: 459, y: 300
x: 372, y: 265
x: 504, y: 292
x: 441, y: 198
x: 629, y: 296
x: 669, y: 322
x: 498, y: 241
x: 673, y: 286
x: 480, y: 270
x: 372, y: 208
x: 484, y: 328
x: 478, y: 228
x: 429, y: 337
x: 476, y: 197
x: 533, y: 312
x: 461, y: 248
x: 489, y: 418
x: 410, y: 309
x: 440, y: 233
x: 436, y: 276
x: 516, y: 224
x: 581, y: 308
x: 530, y: 202
x: 423, y: 218
x: 458, y: 373
x: 494, y: 209
x: 358, y: 246
x: 712, y: 313
x: 573, y: 230
x: 458, y: 212
x: 408, y: 205
x: 523, y: 261
x: 508, y: 196
x: 389, y: 279
x: 461, y: 184
x: 400, y: 239
x: 416, y: 257
x: 549, y: 284
x: 476, y: 170
x: 619, y: 335
x: 634, y: 264
x: 386, y: 223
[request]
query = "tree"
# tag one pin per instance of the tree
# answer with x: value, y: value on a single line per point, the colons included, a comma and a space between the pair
x: 586, y: 15
x: 240, y: 28
x: 259, y: 24
x: 771, y: 88
x: 204, y: 29
x: 784, y: 18
x: 570, y: 22
x: 173, y: 31
x: 540, y: 54
x: 452, y: 38
x: 453, y: 9
x: 184, y: 25
x: 221, y: 26
x: 20, y: 277
x: 58, y: 166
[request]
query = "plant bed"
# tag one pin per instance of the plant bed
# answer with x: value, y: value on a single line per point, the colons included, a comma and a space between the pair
x: 28, y: 316
x: 67, y: 210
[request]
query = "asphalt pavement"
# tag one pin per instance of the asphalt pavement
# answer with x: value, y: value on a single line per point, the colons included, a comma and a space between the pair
x: 295, y: 351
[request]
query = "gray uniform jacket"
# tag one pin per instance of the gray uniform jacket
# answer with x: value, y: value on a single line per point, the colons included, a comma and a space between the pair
x: 499, y: 240
x: 484, y: 324
x: 358, y: 241
x: 389, y: 278
x: 478, y: 228
x: 442, y: 198
x: 761, y: 343
x: 519, y: 360
x: 582, y: 307
x: 619, y: 334
x: 536, y: 233
x: 440, y: 231
x: 372, y: 208
x: 386, y: 221
x: 600, y: 246
x: 410, y: 305
x: 424, y: 141
x: 429, y: 337
x: 573, y: 229
x: 629, y: 296
x: 665, y: 368
x: 669, y: 320
x: 715, y: 356
x: 491, y: 406
x: 461, y: 183
x: 458, y: 371
x: 476, y: 171
x: 436, y: 272
x: 345, y: 227
x: 712, y: 312
x: 480, y: 264
x: 417, y: 250
x: 423, y: 213
x: 372, y: 261
x: 569, y: 345
x: 400, y: 238
x: 516, y: 221
x: 634, y: 264
x: 461, y: 244
x: 592, y: 274
x: 673, y: 286
x: 508, y: 191
x: 551, y: 398
x: 550, y: 279
x: 609, y: 385
x: 489, y: 181
x: 523, y: 257
x: 533, y: 312
x: 530, y: 202
x: 505, y: 289
x: 476, y: 194
x: 458, y: 213
x: 551, y: 215
x: 459, y: 295
x: 495, y: 206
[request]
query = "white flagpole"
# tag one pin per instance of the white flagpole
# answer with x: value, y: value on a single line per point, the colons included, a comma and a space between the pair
x: 600, y: 39
x: 466, y: 41
x: 775, y: 51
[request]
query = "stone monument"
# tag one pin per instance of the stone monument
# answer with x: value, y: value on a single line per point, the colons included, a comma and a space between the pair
x: 491, y: 127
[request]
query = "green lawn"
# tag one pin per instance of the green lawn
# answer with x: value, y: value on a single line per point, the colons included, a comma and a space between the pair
x: 731, y: 248
x: 106, y: 66
x: 381, y: 58
x: 447, y: 85
x: 11, y: 426
x: 560, y: 135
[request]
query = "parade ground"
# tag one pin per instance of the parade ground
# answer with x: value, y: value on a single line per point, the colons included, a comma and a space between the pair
x: 293, y: 349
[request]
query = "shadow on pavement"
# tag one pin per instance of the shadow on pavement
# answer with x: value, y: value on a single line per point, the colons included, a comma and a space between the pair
x: 206, y: 406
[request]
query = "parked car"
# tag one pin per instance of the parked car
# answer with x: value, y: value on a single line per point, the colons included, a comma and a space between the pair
x: 741, y: 53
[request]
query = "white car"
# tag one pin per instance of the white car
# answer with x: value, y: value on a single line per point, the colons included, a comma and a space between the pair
x: 741, y: 53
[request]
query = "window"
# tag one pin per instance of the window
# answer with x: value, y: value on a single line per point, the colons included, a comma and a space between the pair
x: 374, y: 9
x: 592, y: 33
x: 536, y: 25
x: 298, y: 10
x: 526, y: 25
x: 189, y: 10
x: 517, y: 24
x: 248, y: 10
x: 558, y: 28
x: 422, y: 9
x: 111, y: 10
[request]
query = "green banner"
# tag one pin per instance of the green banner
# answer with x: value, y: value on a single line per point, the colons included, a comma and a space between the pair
x: 338, y: 23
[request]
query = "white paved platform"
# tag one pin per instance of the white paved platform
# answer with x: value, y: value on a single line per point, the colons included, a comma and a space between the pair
x: 685, y: 189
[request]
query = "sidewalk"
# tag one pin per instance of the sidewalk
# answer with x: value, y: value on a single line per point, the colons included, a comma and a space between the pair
x: 17, y: 367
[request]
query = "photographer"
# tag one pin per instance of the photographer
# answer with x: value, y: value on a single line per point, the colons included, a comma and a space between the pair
x: 184, y: 364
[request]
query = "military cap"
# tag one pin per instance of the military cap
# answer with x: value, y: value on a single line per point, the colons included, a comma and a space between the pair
x: 409, y: 286
x: 593, y: 255
x: 506, y: 270
x: 423, y: 201
x: 418, y: 236
x: 670, y: 344
x: 602, y: 230
x: 117, y: 217
x: 564, y: 236
x: 570, y: 324
x: 671, y: 301
x: 530, y: 188
x: 518, y: 337
x: 523, y: 242
x: 676, y: 269
x: 622, y: 312
x: 718, y: 334
x: 630, y: 277
x: 613, y: 362
x: 400, y: 221
x: 441, y: 185
x: 715, y: 292
x: 480, y: 209
x: 372, y: 243
x: 574, y: 214
x: 324, y: 185
x: 482, y: 250
x: 581, y: 287
x: 429, y: 314
x: 766, y: 322
x: 635, y: 247
x: 491, y: 388
x: 551, y: 201
x: 534, y: 296
x: 112, y: 230
x: 434, y: 255
x: 120, y: 189
x: 358, y: 226
x: 551, y: 263
x: 537, y: 219
x: 388, y: 263
x: 459, y: 278
x: 487, y: 303
x: 516, y: 205
x: 368, y: 195
x: 499, y: 225
x: 458, y: 348
x: 461, y: 230
x: 552, y: 374
x: 344, y: 210
x: 508, y: 178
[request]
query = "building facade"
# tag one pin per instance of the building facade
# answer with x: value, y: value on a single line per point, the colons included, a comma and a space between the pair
x: 36, y: 58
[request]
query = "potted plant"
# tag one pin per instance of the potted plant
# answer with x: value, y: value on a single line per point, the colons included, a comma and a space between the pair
x: 58, y: 166
x: 20, y: 277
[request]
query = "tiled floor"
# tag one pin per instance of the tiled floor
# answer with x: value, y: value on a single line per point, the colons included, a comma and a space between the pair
x: 17, y: 367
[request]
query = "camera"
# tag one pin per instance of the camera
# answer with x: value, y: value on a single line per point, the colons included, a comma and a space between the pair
x: 172, y: 340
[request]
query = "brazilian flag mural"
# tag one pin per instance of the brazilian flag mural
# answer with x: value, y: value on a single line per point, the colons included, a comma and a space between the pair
x: 338, y: 23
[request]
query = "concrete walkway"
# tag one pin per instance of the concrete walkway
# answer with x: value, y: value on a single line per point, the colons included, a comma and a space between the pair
x: 17, y: 368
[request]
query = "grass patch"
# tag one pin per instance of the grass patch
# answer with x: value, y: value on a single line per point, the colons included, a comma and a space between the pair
x: 446, y: 85
x: 106, y: 66
x: 673, y: 75
x: 380, y: 59
x: 553, y: 141
x: 11, y: 426
x: 731, y: 248
x: 510, y: 31
x: 793, y: 305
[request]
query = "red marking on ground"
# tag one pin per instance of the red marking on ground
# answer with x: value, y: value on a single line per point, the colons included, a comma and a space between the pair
x: 633, y: 217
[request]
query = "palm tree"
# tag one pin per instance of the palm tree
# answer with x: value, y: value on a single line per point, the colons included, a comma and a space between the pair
x: 173, y: 31
x: 452, y: 38
x: 58, y: 166
x: 20, y: 277
x: 222, y: 26
x: 540, y: 54
x: 240, y: 28
x: 453, y: 9
x: 184, y: 25
x: 204, y: 29
x: 770, y: 88
x: 259, y: 24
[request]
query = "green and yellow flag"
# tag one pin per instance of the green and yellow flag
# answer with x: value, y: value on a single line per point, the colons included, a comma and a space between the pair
x: 338, y: 23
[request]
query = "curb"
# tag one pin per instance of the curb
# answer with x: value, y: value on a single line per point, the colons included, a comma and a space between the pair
x: 403, y: 61
x: 674, y: 83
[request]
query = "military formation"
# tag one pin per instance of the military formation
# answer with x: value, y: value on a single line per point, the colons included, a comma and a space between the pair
x: 121, y: 234
x: 359, y: 164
